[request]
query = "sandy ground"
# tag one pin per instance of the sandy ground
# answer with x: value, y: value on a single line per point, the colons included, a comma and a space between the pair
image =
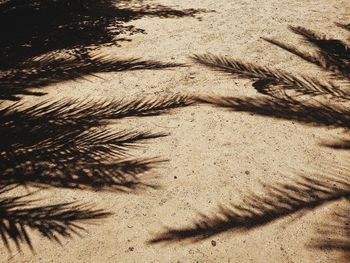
x: 209, y: 149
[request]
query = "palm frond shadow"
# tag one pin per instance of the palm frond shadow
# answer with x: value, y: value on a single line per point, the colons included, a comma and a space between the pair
x: 311, y: 113
x: 19, y: 216
x: 48, y: 70
x: 293, y: 97
x: 67, y: 144
x: 272, y: 82
x: 332, y: 55
x: 285, y: 93
x: 289, y: 97
x: 279, y: 201
x: 335, y: 236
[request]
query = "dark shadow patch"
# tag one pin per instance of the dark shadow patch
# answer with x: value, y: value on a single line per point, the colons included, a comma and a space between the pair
x: 45, y: 42
x: 33, y: 28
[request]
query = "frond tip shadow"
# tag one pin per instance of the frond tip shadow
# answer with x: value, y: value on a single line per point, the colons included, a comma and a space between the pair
x: 340, y: 145
x: 335, y: 236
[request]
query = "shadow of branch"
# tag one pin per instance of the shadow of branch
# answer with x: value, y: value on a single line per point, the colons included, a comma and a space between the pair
x: 66, y: 144
x: 20, y: 216
x: 281, y: 200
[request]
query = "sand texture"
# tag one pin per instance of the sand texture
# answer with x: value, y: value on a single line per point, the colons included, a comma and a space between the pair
x: 224, y: 170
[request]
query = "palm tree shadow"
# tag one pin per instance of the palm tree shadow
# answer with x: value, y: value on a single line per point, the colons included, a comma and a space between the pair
x: 20, y: 215
x: 290, y: 97
x: 294, y: 198
x: 67, y: 144
x: 335, y: 236
x: 273, y: 82
x: 40, y: 73
x: 332, y: 55
x: 33, y: 28
x: 311, y: 113
x: 285, y: 96
x: 45, y: 42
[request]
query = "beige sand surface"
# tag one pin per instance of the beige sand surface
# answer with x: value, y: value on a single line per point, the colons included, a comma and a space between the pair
x: 209, y: 149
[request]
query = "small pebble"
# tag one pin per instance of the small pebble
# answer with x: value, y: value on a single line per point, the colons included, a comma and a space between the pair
x: 213, y: 243
x: 175, y: 177
x: 247, y: 172
x: 131, y: 248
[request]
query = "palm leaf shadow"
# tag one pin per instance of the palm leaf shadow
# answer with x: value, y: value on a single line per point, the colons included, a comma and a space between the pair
x: 20, y: 216
x: 278, y: 104
x: 315, y: 114
x: 272, y: 82
x: 285, y: 92
x: 344, y: 26
x: 335, y: 236
x: 48, y: 70
x: 284, y: 97
x: 66, y: 144
x: 332, y: 55
x: 285, y: 199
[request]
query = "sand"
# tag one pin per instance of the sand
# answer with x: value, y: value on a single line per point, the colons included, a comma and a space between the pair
x: 215, y: 156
